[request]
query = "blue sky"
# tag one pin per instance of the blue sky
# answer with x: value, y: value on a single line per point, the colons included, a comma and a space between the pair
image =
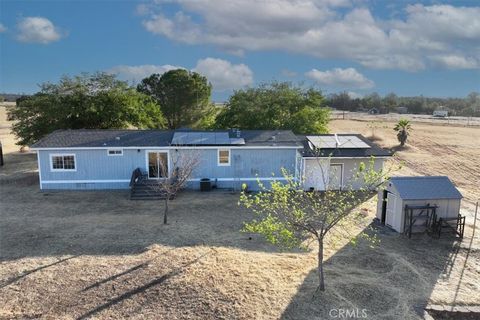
x: 360, y: 46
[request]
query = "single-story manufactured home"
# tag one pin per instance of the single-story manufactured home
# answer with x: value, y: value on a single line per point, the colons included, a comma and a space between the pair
x: 418, y: 197
x: 105, y: 159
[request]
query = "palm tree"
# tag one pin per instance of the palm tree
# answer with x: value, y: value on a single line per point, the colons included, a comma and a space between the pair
x: 403, y: 128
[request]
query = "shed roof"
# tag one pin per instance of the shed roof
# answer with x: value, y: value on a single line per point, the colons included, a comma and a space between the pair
x: 425, y: 188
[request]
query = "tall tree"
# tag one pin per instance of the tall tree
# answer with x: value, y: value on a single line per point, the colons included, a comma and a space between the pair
x: 91, y: 101
x: 183, y: 96
x: 286, y: 215
x: 276, y: 106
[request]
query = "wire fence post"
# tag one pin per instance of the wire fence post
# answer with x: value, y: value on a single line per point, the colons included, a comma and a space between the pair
x: 1, y: 154
x: 475, y: 220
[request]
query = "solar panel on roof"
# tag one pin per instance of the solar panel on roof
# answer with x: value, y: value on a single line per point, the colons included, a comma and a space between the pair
x: 201, y: 138
x: 337, y: 142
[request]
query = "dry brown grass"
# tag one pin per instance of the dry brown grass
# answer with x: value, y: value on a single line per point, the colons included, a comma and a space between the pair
x: 431, y: 150
x: 69, y: 255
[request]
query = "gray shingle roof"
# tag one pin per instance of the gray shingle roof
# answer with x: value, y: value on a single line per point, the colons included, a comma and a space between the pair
x: 425, y: 188
x: 94, y: 138
x: 84, y: 138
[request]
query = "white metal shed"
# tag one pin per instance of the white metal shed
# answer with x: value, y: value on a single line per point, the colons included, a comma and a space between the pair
x: 436, y: 191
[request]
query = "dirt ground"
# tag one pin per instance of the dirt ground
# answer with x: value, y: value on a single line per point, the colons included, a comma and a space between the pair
x: 453, y: 151
x: 99, y: 255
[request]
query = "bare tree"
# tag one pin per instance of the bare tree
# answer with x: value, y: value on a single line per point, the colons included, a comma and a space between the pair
x: 182, y: 163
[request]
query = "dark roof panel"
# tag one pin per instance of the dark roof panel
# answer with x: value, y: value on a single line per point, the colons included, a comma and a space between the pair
x: 94, y: 138
x: 425, y: 188
x: 373, y: 150
x: 84, y: 138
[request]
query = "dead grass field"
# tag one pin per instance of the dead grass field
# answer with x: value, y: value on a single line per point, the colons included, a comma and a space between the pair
x: 79, y: 255
x: 431, y: 150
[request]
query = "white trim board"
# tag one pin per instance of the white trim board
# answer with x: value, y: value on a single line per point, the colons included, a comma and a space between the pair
x: 374, y: 157
x: 40, y: 171
x: 168, y: 147
x: 84, y: 181
x: 240, y: 179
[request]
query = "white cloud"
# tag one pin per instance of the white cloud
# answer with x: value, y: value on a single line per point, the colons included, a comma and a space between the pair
x: 37, y: 30
x: 288, y: 73
x: 456, y: 61
x: 137, y: 73
x: 2, y: 28
x: 340, y: 78
x: 319, y: 28
x: 224, y: 75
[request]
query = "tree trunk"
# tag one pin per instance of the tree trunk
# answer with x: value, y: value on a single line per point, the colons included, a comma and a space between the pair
x: 321, y: 278
x: 165, y: 213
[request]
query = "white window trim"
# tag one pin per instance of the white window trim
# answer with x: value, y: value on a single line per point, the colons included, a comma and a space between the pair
x: 63, y: 155
x: 168, y: 163
x: 229, y: 157
x: 115, y: 155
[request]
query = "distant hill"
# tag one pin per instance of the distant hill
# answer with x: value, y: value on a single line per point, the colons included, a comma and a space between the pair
x: 11, y: 97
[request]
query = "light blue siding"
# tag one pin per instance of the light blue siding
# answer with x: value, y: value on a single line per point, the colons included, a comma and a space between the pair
x: 96, y: 170
x: 246, y: 163
x: 93, y: 165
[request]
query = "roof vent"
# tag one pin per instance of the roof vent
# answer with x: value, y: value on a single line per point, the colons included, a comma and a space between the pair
x: 236, y: 133
x: 117, y: 138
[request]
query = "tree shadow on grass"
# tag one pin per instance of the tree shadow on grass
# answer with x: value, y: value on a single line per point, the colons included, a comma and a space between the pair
x: 393, y: 280
x: 14, y: 279
x: 45, y: 224
x: 137, y: 290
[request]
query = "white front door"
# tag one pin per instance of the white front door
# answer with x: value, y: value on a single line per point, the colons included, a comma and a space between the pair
x: 390, y: 213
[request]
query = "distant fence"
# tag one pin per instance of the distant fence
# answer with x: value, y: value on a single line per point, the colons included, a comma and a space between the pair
x: 363, y: 116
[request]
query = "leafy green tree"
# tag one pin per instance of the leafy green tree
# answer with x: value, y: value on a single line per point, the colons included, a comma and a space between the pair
x: 276, y: 106
x: 92, y: 101
x: 403, y: 128
x: 286, y: 215
x: 183, y: 96
x: 390, y: 102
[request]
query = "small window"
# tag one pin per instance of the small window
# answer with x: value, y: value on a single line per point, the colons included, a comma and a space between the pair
x: 115, y: 152
x: 223, y: 157
x: 63, y: 162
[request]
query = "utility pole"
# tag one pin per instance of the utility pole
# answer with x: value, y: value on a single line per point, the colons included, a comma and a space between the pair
x: 1, y: 154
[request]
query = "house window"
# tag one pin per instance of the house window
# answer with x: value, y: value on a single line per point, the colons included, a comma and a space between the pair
x: 63, y: 162
x: 223, y: 157
x: 157, y: 165
x: 115, y: 152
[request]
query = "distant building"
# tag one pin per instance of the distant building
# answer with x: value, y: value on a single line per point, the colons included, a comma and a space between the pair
x: 440, y: 113
x: 402, y: 110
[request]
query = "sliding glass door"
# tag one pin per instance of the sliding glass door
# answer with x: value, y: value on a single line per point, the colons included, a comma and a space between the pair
x: 157, y: 164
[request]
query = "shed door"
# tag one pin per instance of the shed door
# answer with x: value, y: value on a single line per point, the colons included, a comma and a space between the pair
x: 335, y: 176
x: 391, y: 199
